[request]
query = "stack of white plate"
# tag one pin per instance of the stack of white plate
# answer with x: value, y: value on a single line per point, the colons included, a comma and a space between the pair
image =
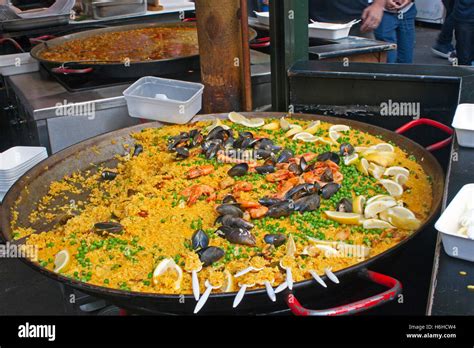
x: 15, y: 162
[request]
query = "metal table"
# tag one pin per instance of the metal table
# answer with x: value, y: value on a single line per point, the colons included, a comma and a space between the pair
x: 449, y: 294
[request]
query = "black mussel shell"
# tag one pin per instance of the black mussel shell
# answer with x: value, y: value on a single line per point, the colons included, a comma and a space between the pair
x: 327, y: 176
x: 182, y: 152
x: 210, y: 255
x: 285, y: 208
x: 176, y: 140
x: 240, y: 236
x: 331, y: 156
x: 303, y: 165
x: 295, y: 168
x: 108, y: 227
x: 302, y: 190
x: 276, y: 239
x: 285, y: 156
x: 344, y: 205
x: 240, y: 169
x: 308, y: 203
x: 212, y: 150
x: 269, y: 201
x: 229, y: 209
x: 267, y: 169
x: 263, y: 154
x: 214, y: 133
x: 108, y: 175
x: 138, y: 149
x: 229, y: 199
x: 199, y: 240
x: 329, y: 190
x: 195, y: 137
x: 346, y: 149
x: 231, y: 221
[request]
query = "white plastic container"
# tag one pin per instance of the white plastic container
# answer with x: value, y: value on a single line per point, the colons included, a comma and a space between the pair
x: 164, y: 100
x: 329, y: 31
x: 263, y: 17
x: 463, y: 122
x: 455, y: 244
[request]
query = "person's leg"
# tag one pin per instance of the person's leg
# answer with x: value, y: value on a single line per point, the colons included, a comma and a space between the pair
x: 406, y: 36
x: 387, y: 31
x: 444, y: 46
x: 465, y: 43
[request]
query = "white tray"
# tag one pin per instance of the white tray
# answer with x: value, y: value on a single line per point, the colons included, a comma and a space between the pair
x: 463, y: 122
x: 455, y: 244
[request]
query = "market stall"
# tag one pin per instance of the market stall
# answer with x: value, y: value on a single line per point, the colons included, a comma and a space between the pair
x: 340, y: 164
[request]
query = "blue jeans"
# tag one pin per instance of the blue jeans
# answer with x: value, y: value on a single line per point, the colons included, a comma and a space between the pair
x: 400, y: 30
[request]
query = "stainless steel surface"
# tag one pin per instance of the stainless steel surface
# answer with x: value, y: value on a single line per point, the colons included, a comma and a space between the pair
x: 100, y: 9
x: 33, y: 23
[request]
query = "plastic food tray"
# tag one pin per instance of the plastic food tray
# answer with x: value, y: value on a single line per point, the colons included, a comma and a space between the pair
x: 165, y: 100
x: 463, y: 122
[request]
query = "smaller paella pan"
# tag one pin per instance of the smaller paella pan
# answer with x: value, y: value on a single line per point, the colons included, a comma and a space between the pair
x: 229, y: 207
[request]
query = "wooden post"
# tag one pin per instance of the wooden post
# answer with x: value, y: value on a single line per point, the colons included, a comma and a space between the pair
x: 221, y: 54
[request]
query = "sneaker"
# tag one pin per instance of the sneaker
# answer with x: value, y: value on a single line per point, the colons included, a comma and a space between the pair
x: 452, y: 56
x: 442, y: 50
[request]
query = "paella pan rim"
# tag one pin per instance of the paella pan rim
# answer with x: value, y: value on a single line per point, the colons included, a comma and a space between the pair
x: 9, y: 200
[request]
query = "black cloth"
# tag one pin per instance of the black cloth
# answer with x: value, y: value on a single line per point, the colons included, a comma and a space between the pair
x: 447, y: 31
x: 464, y: 11
x: 465, y: 42
x: 336, y: 11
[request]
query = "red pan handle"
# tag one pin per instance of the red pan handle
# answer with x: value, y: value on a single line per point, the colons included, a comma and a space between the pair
x: 433, y: 123
x: 66, y: 71
x: 261, y: 42
x: 189, y: 20
x: 395, y: 288
x: 13, y: 42
x: 41, y: 38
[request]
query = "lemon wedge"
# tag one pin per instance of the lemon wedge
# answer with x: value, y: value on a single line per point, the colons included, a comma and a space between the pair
x: 294, y: 130
x: 61, y: 261
x: 351, y: 159
x: 284, y: 124
x: 253, y: 122
x: 393, y: 188
x: 373, y: 208
x: 229, y: 284
x: 235, y: 117
x: 394, y: 171
x: 376, y: 223
x: 358, y: 204
x: 290, y: 246
x: 404, y: 222
x: 375, y: 170
x: 163, y: 267
x: 272, y: 126
x: 363, y: 166
x: 401, y: 179
x: 360, y: 149
x: 339, y: 128
x: 384, y: 147
x: 334, y: 136
x: 382, y: 158
x: 381, y: 198
x: 313, y: 127
x: 401, y: 212
x: 344, y: 218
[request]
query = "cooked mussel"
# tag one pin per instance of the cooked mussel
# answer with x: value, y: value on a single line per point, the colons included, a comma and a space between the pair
x: 346, y: 149
x: 240, y: 169
x: 177, y: 140
x: 236, y: 222
x: 199, y: 240
x: 302, y: 190
x: 195, y: 137
x: 329, y: 190
x: 229, y: 209
x: 275, y: 239
x: 285, y: 208
x: 344, y: 205
x: 215, y: 133
x: 263, y: 154
x: 329, y: 156
x: 108, y: 228
x: 108, y: 175
x: 137, y: 150
x: 265, y: 169
x: 240, y: 236
x: 210, y: 255
x: 229, y: 199
x: 269, y: 201
x: 327, y: 176
x: 285, y: 156
x: 182, y: 152
x: 308, y: 203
